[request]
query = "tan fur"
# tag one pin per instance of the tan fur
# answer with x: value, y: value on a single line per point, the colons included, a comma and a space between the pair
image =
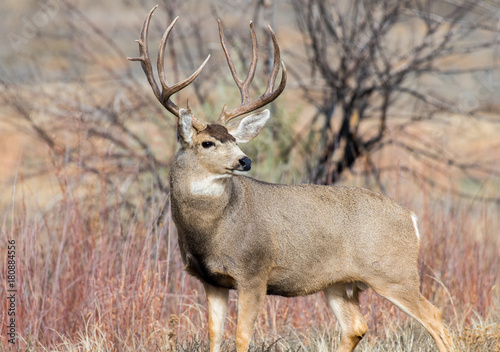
x: 262, y: 238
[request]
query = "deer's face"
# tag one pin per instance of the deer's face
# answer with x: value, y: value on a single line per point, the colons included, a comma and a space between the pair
x: 215, y: 147
x: 218, y: 153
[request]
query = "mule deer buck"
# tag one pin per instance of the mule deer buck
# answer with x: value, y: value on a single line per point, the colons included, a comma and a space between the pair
x: 259, y: 238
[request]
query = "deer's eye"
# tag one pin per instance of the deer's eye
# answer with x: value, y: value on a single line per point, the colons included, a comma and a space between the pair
x: 207, y: 144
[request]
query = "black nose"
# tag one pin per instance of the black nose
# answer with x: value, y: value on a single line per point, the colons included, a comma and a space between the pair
x: 246, y: 163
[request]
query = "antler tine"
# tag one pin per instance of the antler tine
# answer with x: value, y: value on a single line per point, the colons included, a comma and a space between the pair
x: 144, y: 52
x: 167, y: 91
x: 244, y: 86
x: 276, y: 62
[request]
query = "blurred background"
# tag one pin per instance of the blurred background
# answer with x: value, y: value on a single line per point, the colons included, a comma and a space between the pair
x: 397, y: 96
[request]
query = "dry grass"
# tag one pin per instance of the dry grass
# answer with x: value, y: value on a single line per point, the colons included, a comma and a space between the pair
x: 92, y: 276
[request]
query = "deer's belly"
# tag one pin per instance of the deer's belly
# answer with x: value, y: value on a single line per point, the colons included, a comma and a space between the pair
x: 303, y: 280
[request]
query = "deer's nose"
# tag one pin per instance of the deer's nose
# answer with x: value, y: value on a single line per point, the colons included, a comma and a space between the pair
x: 246, y: 163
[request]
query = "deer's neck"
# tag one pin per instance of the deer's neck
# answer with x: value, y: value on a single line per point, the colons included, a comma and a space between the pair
x: 198, y: 190
x: 199, y: 199
x: 207, y: 186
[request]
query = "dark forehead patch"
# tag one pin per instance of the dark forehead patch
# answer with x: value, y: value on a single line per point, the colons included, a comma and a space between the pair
x: 218, y: 132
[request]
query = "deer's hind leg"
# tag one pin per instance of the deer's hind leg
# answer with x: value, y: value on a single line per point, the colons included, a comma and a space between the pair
x: 402, y: 288
x: 343, y: 299
x: 409, y: 299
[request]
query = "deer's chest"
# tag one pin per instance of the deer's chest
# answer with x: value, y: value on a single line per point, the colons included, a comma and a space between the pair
x: 209, y: 269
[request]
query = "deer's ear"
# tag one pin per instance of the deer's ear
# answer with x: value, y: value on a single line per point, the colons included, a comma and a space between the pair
x: 185, y: 127
x: 250, y: 126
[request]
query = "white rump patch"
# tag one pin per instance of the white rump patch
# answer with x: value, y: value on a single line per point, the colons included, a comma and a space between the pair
x: 208, y: 186
x: 414, y: 218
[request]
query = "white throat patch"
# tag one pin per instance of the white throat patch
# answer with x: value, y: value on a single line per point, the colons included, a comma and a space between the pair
x: 208, y: 186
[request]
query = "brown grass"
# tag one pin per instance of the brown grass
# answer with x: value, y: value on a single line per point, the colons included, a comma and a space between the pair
x: 92, y: 276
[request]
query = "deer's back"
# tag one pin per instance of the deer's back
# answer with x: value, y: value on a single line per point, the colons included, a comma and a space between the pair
x: 320, y: 234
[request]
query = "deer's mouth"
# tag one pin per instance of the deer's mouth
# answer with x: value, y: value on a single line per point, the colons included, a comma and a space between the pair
x: 244, y: 165
x: 237, y: 171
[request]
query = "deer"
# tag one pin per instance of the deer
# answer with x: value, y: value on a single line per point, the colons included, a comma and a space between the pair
x: 258, y: 238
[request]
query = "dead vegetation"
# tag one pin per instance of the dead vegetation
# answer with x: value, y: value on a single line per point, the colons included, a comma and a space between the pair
x: 86, y: 197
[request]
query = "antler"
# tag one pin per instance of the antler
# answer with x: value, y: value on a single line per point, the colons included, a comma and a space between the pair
x: 269, y: 95
x: 163, y: 96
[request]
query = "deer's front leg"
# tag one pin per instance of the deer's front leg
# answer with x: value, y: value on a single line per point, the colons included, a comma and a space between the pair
x: 217, y: 306
x: 250, y: 299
